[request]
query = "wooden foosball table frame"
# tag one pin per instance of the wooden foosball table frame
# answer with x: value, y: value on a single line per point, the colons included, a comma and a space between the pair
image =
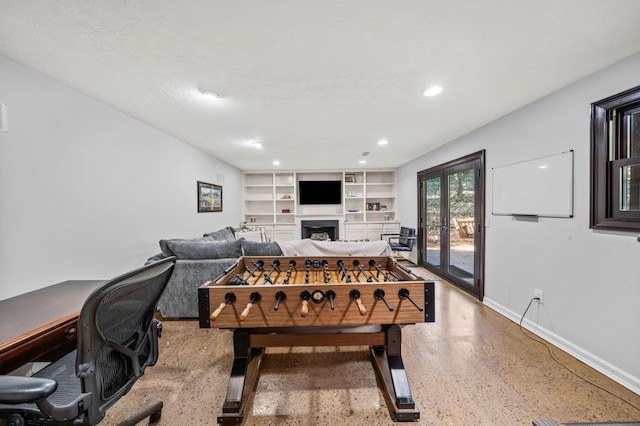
x: 389, y: 296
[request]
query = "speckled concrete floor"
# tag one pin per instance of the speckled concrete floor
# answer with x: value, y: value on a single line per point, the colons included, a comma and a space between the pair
x: 471, y: 367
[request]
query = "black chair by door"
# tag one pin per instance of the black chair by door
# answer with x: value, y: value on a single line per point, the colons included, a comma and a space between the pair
x: 117, y: 341
x: 401, y: 242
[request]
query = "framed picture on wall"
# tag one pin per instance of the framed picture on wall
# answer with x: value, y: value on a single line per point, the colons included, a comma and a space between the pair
x: 209, y: 197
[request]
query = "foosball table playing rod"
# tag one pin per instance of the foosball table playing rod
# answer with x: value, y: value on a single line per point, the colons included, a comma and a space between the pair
x: 259, y: 272
x: 318, y: 297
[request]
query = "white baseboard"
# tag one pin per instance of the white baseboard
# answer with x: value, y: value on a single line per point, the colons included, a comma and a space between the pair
x: 611, y: 371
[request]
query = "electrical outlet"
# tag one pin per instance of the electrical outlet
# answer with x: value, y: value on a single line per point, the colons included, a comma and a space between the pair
x: 540, y: 295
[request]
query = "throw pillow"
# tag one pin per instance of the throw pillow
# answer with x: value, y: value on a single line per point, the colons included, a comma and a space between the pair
x: 249, y: 236
x: 205, y: 250
x: 224, y: 234
x: 166, y: 250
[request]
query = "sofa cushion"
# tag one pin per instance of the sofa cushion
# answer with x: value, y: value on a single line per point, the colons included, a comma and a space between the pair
x: 180, y: 297
x: 252, y: 248
x: 205, y: 249
x: 224, y: 234
x: 166, y: 250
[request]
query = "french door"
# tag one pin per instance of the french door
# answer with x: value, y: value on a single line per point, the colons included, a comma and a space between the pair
x: 451, y: 231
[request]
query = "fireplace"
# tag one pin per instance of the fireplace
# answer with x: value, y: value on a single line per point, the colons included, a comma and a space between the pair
x: 320, y: 229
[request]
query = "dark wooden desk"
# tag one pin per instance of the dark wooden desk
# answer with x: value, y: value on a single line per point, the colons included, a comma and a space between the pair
x: 41, y: 323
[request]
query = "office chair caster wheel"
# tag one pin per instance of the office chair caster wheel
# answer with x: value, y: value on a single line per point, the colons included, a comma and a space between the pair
x: 155, y: 417
x: 15, y: 420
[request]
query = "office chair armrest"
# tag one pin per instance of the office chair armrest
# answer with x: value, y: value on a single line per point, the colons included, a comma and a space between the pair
x: 395, y: 237
x: 19, y: 389
x: 389, y: 237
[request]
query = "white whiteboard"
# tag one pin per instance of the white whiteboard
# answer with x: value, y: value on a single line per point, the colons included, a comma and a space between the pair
x: 538, y: 187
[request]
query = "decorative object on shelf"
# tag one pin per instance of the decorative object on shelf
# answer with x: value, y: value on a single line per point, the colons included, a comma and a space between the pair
x: 286, y: 211
x: 209, y: 197
x: 286, y: 197
x: 349, y: 178
x: 373, y: 207
x: 252, y: 219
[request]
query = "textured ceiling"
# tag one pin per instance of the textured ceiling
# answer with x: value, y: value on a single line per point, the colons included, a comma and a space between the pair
x: 318, y: 82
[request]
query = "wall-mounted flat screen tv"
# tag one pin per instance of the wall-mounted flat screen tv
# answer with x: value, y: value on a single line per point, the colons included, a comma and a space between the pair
x: 320, y: 192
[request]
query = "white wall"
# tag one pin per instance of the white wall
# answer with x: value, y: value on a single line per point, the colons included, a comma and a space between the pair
x: 86, y: 191
x: 590, y: 278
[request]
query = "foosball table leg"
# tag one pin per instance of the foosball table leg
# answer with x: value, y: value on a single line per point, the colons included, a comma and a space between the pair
x: 387, y: 362
x: 243, y: 379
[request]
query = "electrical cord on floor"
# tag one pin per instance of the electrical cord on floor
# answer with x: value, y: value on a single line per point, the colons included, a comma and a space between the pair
x: 545, y: 344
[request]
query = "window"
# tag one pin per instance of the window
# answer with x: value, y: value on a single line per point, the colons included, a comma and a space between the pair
x: 615, y: 162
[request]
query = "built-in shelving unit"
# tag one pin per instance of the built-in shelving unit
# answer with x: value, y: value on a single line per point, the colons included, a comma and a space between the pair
x: 285, y: 198
x: 370, y: 196
x: 258, y: 198
x: 368, y: 205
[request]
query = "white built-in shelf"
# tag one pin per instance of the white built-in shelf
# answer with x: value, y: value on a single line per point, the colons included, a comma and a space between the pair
x: 263, y: 191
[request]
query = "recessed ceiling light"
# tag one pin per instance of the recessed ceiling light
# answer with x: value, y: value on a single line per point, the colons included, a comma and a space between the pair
x: 276, y: 163
x: 251, y: 143
x: 363, y: 161
x: 210, y: 93
x: 382, y: 142
x: 432, y: 91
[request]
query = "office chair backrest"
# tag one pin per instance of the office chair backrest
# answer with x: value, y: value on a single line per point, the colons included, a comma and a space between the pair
x: 404, y: 241
x: 118, y: 334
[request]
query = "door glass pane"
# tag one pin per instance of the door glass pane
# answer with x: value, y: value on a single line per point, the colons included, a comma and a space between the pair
x: 462, y: 224
x: 630, y: 188
x: 433, y: 220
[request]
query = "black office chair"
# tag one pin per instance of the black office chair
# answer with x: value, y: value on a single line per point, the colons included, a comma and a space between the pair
x: 117, y: 340
x: 403, y: 241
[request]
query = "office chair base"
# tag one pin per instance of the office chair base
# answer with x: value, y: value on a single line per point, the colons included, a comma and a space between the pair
x: 154, y: 412
x: 15, y: 420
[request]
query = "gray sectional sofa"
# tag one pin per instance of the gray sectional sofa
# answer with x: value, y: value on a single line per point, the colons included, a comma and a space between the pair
x: 199, y: 260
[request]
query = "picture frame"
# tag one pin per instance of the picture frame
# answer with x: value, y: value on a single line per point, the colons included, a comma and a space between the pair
x: 209, y: 197
x: 349, y: 178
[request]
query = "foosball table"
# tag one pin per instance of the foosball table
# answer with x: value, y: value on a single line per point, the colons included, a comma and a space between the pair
x: 303, y: 301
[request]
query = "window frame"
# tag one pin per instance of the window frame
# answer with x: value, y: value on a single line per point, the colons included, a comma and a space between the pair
x: 607, y: 161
